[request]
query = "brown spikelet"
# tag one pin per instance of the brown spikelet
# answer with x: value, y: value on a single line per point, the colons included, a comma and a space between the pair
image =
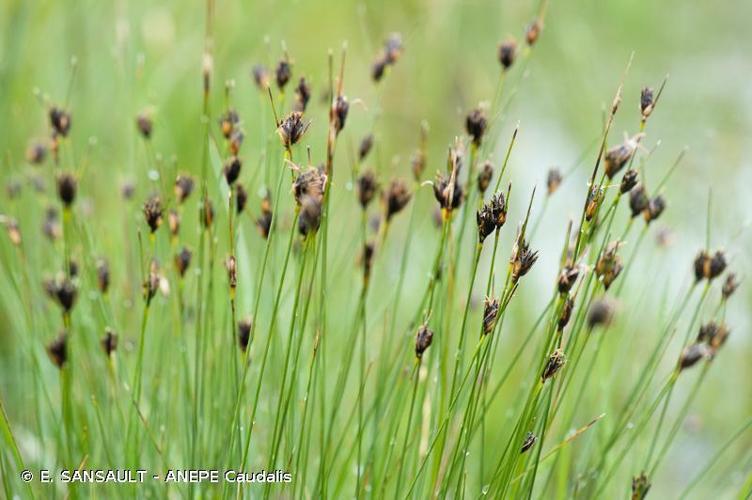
x: 601, y: 313
x: 729, y: 286
x: 109, y: 342
x: 206, y: 213
x: 655, y: 208
x: 553, y: 180
x: 475, y: 125
x: 51, y: 225
x: 60, y: 121
x: 533, y: 31
x: 241, y: 198
x: 486, y: 222
x: 568, y: 277
x: 640, y: 486
x: 638, y: 200
x: 245, y: 327
x: 302, y: 95
x: 145, y: 125
x: 566, y: 314
x: 57, y: 350
x: 628, y: 181
x: 66, y: 188
x: 367, y: 187
x: 490, y: 312
x: 340, y: 110
x: 232, y: 271
x: 228, y: 122
x: 484, y: 176
x: 283, y: 73
x: 173, y: 222
x: 151, y: 283
x: 292, y: 129
x: 396, y: 198
x: 231, y: 169
x: 423, y: 340
x: 36, y: 153
x: 311, y: 182
x: 522, y: 258
x: 14, y: 231
x: 153, y: 213
x: 366, y: 144
x: 617, y: 157
x: 103, y: 275
x: 555, y: 361
x: 692, y: 354
x: 182, y: 261
x: 309, y: 218
x: 260, y: 76
x: 647, y: 102
x: 183, y: 187
x: 62, y: 290
x: 507, y: 53
x: 528, y: 442
x: 609, y: 265
x: 264, y: 220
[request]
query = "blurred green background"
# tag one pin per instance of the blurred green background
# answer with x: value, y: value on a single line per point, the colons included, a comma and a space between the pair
x: 136, y: 55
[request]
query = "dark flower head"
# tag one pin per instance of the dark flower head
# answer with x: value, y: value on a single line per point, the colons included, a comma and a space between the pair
x: 640, y: 486
x: 628, y: 181
x: 418, y: 164
x: 264, y: 221
x: 309, y: 218
x: 302, y: 94
x: 396, y: 198
x: 183, y: 187
x: 601, y: 312
x: 369, y: 250
x: 566, y: 313
x: 36, y: 153
x: 484, y: 176
x: 283, y: 73
x: 393, y: 48
x: 475, y: 125
x: 51, y: 226
x: 340, y: 109
x: 692, y: 354
x: 144, y: 124
x: 228, y: 122
x: 311, y: 182
x: 14, y: 231
x: 103, y: 275
x: 609, y: 265
x: 62, y: 290
x: 423, y: 340
x: 378, y: 68
x: 231, y: 169
x: 490, y: 312
x: 153, y: 213
x: 717, y: 264
x: 66, y: 188
x: 638, y: 200
x: 235, y: 141
x: 507, y: 53
x: 553, y: 180
x: 57, y: 350
x: 292, y: 128
x: 528, y: 443
x: 617, y: 157
x: 127, y: 190
x: 647, y: 102
x: 260, y: 76
x: 183, y: 261
x: 109, y: 342
x: 448, y: 192
x: 555, y: 361
x: 231, y: 265
x: 595, y: 197
x: 366, y: 144
x: 486, y: 222
x: 655, y: 208
x: 729, y: 286
x: 522, y: 259
x: 60, y: 120
x: 532, y: 32
x: 567, y: 278
x: 367, y: 187
x: 499, y: 207
x: 173, y: 222
x: 151, y: 283
x: 245, y: 328
x: 241, y: 198
x: 206, y: 213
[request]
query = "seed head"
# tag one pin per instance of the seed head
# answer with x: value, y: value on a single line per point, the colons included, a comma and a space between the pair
x: 475, y: 125
x: 183, y: 187
x: 310, y: 182
x: 507, y: 53
x: 396, y: 198
x: 532, y: 32
x: 709, y: 267
x: 555, y: 361
x: 638, y: 200
x: 207, y: 67
x: 640, y: 486
x: 260, y: 76
x: 729, y: 286
x: 283, y: 73
x: 232, y: 271
x: 152, y: 282
x: 595, y: 197
x: 617, y: 157
x: 553, y: 180
x: 227, y: 123
x: 36, y: 153
x: 62, y: 290
x: 340, y: 109
x: 423, y: 340
x: 183, y: 261
x: 206, y: 213
x: 647, y: 102
x: 490, y: 312
x: 60, y: 120
x: 499, y: 207
x: 566, y: 313
x: 484, y: 176
x: 245, y: 326
x: 14, y: 232
x: 692, y: 354
x: 568, y: 277
x: 393, y: 48
x: 241, y: 198
x: 232, y: 169
x: 418, y: 164
x: 378, y: 68
x: 302, y: 95
x: 601, y: 313
x: 309, y: 218
x: 367, y: 187
x: 173, y: 222
x: 103, y: 275
x: 109, y: 342
x: 292, y: 128
x: 522, y: 259
x: 369, y: 250
x: 153, y: 212
x: 51, y: 225
x: 655, y: 208
x: 264, y: 221
x: 628, y: 181
x: 366, y: 144
x: 714, y: 335
x: 127, y: 190
x: 486, y: 222
x: 66, y: 188
x: 609, y: 265
x: 528, y: 443
x: 57, y: 350
x: 448, y: 191
x: 144, y: 124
